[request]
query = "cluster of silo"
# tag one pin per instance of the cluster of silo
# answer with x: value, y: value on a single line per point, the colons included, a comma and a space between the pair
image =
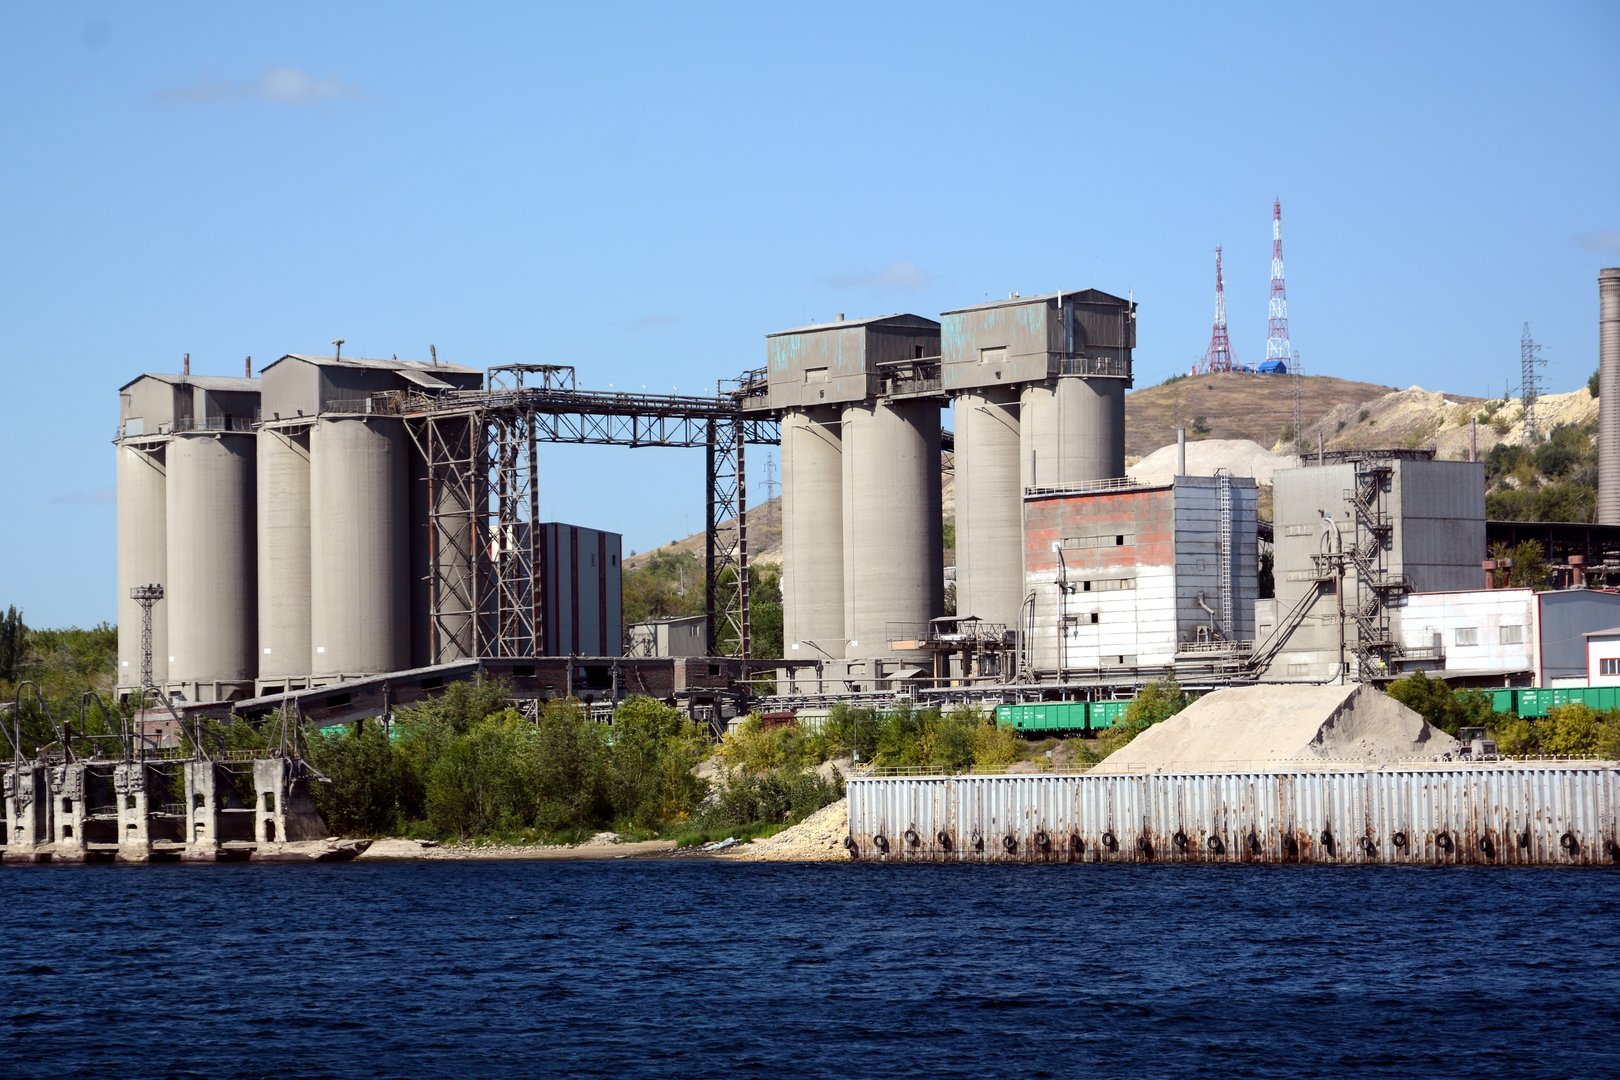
x: 1038, y: 385
x: 284, y: 518
x: 861, y: 521
x: 186, y: 520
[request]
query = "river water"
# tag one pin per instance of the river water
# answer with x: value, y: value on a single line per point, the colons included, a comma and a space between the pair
x: 704, y: 968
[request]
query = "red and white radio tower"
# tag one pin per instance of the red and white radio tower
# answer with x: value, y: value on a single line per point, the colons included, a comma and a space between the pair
x: 1278, y: 346
x: 1219, y: 357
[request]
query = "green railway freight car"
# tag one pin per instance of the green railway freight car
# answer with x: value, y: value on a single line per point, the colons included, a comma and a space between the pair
x: 1061, y: 717
x: 1532, y: 703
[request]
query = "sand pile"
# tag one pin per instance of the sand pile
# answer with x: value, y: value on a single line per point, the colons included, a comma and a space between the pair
x: 818, y: 838
x: 1259, y: 726
x: 1240, y: 457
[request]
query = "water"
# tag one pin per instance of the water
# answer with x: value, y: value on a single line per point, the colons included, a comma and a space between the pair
x: 697, y: 968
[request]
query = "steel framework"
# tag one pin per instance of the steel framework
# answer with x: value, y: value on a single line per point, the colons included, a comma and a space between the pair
x: 481, y: 452
x: 1278, y: 346
x: 1219, y: 356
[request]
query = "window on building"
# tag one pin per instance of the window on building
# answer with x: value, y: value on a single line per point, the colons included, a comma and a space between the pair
x: 1609, y: 665
x: 1467, y: 635
x: 1513, y: 635
x: 1095, y: 617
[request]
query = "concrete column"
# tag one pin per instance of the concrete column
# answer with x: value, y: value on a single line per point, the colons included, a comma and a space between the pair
x: 202, y: 812
x: 68, y: 811
x: 283, y: 812
x: 134, y: 817
x: 28, y: 813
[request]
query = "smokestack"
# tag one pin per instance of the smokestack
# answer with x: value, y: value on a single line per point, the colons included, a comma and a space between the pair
x: 185, y: 366
x: 247, y: 367
x: 1181, y: 451
x: 1608, y: 507
x: 1473, y: 438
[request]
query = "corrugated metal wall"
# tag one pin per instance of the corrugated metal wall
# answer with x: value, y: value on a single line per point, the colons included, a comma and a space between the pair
x: 1508, y: 814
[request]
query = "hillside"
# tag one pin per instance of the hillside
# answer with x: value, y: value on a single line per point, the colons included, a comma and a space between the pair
x: 1260, y: 408
x: 1230, y: 405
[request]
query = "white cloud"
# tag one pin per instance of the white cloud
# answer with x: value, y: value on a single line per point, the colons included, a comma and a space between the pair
x: 274, y: 86
x: 1602, y: 241
x: 86, y: 497
x: 901, y: 275
x: 651, y: 321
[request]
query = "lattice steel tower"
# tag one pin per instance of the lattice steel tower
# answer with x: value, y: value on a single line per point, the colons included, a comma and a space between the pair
x: 1278, y: 346
x: 1219, y: 356
x: 146, y: 596
x: 1529, y: 384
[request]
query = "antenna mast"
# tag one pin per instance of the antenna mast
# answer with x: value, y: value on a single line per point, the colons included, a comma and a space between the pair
x: 1219, y: 356
x: 1278, y: 346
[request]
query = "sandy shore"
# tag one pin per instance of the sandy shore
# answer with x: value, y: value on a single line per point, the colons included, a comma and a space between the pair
x: 395, y: 850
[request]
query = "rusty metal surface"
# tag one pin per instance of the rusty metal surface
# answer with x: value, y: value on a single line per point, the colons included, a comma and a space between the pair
x: 1546, y: 815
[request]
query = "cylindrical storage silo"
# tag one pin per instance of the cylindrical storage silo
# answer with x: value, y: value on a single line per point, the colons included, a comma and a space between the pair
x: 812, y: 535
x: 892, y: 543
x: 142, y: 557
x: 1608, y: 508
x: 989, y: 507
x: 359, y: 546
x: 284, y: 593
x: 211, y: 597
x: 1072, y: 430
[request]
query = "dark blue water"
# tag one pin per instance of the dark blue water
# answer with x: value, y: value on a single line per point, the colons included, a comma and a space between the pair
x: 693, y: 968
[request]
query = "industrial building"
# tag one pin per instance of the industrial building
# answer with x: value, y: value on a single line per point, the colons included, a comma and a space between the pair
x: 1123, y: 578
x: 336, y: 520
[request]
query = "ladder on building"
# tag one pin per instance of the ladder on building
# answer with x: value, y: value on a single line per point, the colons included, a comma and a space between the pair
x: 1223, y: 550
x: 1377, y: 590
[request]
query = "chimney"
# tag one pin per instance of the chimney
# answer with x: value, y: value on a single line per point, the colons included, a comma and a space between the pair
x: 1181, y: 451
x: 247, y: 367
x: 1608, y: 494
x: 185, y: 366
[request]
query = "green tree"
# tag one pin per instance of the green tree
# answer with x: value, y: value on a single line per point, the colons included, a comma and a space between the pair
x: 367, y: 793
x: 1155, y: 703
x: 1434, y: 699
x: 13, y: 643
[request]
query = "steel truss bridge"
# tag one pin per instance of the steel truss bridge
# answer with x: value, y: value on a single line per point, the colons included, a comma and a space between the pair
x: 483, y: 495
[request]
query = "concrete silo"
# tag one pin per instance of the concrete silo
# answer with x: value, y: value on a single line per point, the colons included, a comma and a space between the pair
x: 860, y: 528
x: 989, y: 514
x: 142, y: 555
x: 359, y: 545
x: 345, y: 512
x: 1051, y: 372
x: 813, y: 530
x: 892, y: 558
x: 284, y: 555
x: 210, y: 510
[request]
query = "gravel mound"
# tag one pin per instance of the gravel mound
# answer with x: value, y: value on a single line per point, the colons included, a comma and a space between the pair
x: 1252, y: 727
x: 1240, y: 457
x: 818, y: 838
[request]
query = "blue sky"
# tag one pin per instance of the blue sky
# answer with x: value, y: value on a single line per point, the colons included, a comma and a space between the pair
x: 645, y: 191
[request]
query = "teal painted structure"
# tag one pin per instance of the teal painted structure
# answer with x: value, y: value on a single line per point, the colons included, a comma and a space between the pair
x: 1532, y: 703
x: 1062, y: 717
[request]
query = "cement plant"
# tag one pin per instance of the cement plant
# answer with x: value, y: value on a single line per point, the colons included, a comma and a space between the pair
x: 329, y: 537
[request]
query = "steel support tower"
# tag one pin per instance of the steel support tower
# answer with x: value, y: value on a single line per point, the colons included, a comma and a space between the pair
x: 1278, y: 347
x: 1530, y: 384
x: 1219, y: 356
x: 481, y: 448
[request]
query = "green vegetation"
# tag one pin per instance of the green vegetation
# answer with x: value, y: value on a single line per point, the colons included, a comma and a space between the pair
x: 63, y: 665
x: 1593, y: 382
x: 466, y: 765
x: 1155, y: 703
x: 670, y: 585
x: 1436, y: 701
x: 1567, y: 730
x: 1555, y: 481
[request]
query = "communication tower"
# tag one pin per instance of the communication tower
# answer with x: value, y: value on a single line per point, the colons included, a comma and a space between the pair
x: 1278, y: 346
x: 1219, y: 356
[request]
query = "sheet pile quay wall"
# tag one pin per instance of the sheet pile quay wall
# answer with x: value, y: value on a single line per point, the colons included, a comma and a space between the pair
x: 1556, y: 814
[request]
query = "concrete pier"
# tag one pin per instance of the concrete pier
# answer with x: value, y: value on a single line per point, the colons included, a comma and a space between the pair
x: 196, y: 810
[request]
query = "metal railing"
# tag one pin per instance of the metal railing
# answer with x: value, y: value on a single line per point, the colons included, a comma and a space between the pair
x: 1117, y: 483
x: 1111, y: 367
x: 386, y: 404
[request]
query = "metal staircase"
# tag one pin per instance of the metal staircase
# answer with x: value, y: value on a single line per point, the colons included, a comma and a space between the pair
x: 1377, y: 590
